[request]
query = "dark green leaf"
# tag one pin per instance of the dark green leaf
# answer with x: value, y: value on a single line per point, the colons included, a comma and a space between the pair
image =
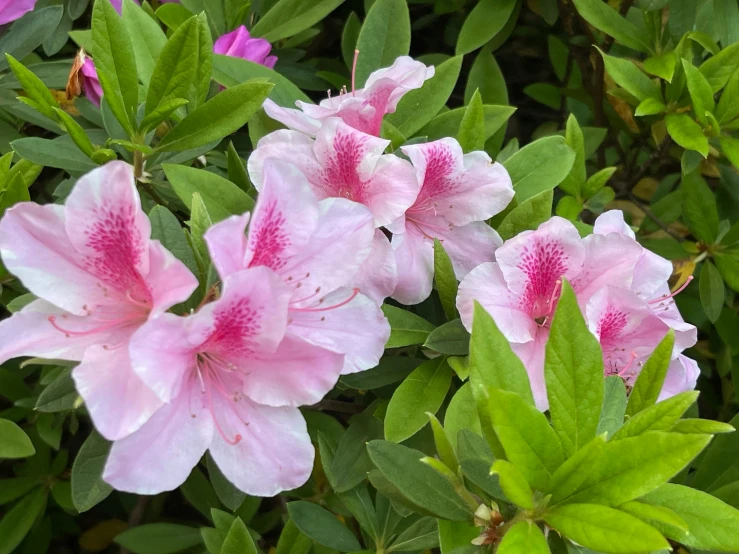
x: 485, y: 21
x: 88, y: 487
x: 322, y: 526
x: 406, y: 328
x: 385, y: 35
x: 159, y: 538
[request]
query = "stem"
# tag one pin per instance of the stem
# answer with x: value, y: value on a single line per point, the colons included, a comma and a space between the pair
x: 138, y: 164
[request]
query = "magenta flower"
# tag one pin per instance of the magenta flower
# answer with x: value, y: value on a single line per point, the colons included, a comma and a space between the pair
x: 520, y: 290
x: 90, y: 83
x: 98, y: 277
x: 458, y: 193
x: 317, y: 248
x: 362, y: 109
x: 210, y: 368
x: 10, y: 10
x: 240, y: 44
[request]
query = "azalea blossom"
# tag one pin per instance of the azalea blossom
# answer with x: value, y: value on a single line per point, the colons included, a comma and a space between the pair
x: 240, y: 44
x: 97, y: 277
x: 10, y: 10
x: 521, y: 288
x: 362, y: 109
x: 345, y: 163
x: 317, y: 248
x: 458, y: 193
x: 230, y: 380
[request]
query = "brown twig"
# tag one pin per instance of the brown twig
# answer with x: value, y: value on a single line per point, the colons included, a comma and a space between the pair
x: 662, y: 225
x: 137, y: 515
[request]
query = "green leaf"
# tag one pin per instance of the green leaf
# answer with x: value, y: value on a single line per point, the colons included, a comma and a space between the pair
x: 529, y: 442
x: 528, y: 215
x: 576, y: 469
x: 447, y: 123
x: 34, y: 87
x: 446, y: 281
x: 663, y: 519
x: 58, y: 153
x: 418, y: 107
x: 658, y: 417
x: 614, y: 406
x: 292, y: 541
x: 444, y: 447
x: 728, y: 104
x: 457, y: 534
x: 539, y: 166
x: 730, y: 149
x: 230, y: 71
x: 238, y: 540
x: 649, y: 106
x: 221, y: 197
x: 712, y: 291
x: 597, y: 181
x: 406, y: 328
x: 159, y: 538
x: 687, y: 133
x: 662, y: 66
x: 17, y: 522
x: 475, y: 459
x: 573, y: 369
x: 461, y: 414
x: 289, y: 17
x: 115, y: 62
x: 23, y: 38
x: 385, y: 35
x: 390, y: 370
x: 220, y: 116
x: 719, y: 68
x: 322, y: 526
x: 349, y: 37
x: 422, y: 534
x: 604, y: 18
x: 628, y: 76
x: 605, y: 529
x: 728, y: 266
x: 484, y: 22
x: 422, y: 391
x: 451, y: 338
x: 574, y: 181
x: 359, y: 502
x: 200, y: 222
x: 150, y: 39
x: 14, y: 443
x: 471, y: 135
x: 351, y: 461
x: 652, y: 376
x: 514, y: 484
x: 629, y: 468
x: 227, y: 493
x: 76, y: 132
x: 699, y: 208
x: 418, y: 482
x: 700, y: 92
x: 166, y: 228
x: 524, y: 537
x: 712, y: 524
x: 59, y: 396
x: 184, y: 67
x: 236, y: 170
x: 701, y: 426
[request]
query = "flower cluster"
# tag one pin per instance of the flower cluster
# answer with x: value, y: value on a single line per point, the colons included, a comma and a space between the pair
x: 621, y: 288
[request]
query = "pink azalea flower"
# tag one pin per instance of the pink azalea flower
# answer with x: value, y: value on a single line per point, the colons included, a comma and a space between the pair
x: 317, y: 248
x: 362, y: 109
x: 230, y: 379
x: 345, y: 163
x: 90, y: 82
x: 458, y: 193
x: 10, y: 10
x: 520, y: 290
x: 240, y: 44
x: 98, y: 277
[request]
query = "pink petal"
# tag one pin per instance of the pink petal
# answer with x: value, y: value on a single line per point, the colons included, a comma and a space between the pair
x: 612, y: 221
x: 256, y: 50
x: 534, y: 261
x: 682, y: 375
x: 169, y: 280
x: 105, y: 223
x: 270, y: 61
x: 30, y: 333
x: 609, y: 260
x: 486, y: 284
x: 226, y: 242
x: 403, y: 76
x: 377, y: 277
x: 357, y: 329
x: 686, y: 335
x: 414, y: 256
x: 294, y: 119
x: 470, y: 245
x: 297, y: 374
x: 285, y: 217
x: 275, y: 453
x: 118, y: 400
x: 10, y: 10
x: 458, y: 188
x: 291, y: 146
x: 36, y: 249
x: 160, y: 456
x: 532, y: 355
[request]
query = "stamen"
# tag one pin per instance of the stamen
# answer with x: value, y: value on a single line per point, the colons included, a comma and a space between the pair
x: 354, y: 69
x: 237, y: 439
x: 672, y: 294
x: 132, y: 300
x: 627, y: 366
x: 557, y: 288
x: 354, y: 294
x: 105, y: 327
x: 318, y: 291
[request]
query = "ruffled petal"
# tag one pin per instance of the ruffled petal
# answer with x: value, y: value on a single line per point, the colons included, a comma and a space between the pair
x: 414, y: 256
x: 532, y: 355
x: 377, y: 277
x: 291, y: 118
x: 169, y: 280
x: 226, y: 242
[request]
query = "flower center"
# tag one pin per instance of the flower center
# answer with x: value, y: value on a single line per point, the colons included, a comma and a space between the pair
x: 546, y: 308
x: 661, y: 300
x: 210, y: 371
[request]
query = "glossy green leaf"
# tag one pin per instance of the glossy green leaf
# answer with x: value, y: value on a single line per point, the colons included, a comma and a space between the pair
x: 651, y: 377
x: 238, y: 540
x: 523, y: 537
x: 628, y: 76
x: 150, y: 39
x: 513, y: 483
x: 485, y: 20
x: 712, y: 290
x: 451, y: 338
x: 657, y: 417
x: 385, y: 35
x: 687, y: 133
x: 614, y: 406
x: 406, y: 328
x: 446, y: 280
x: 539, y: 166
x: 14, y: 443
x: 287, y: 18
x: 471, y: 135
x: 528, y: 215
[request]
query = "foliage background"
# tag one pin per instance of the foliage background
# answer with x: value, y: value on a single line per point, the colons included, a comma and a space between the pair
x: 659, y: 147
